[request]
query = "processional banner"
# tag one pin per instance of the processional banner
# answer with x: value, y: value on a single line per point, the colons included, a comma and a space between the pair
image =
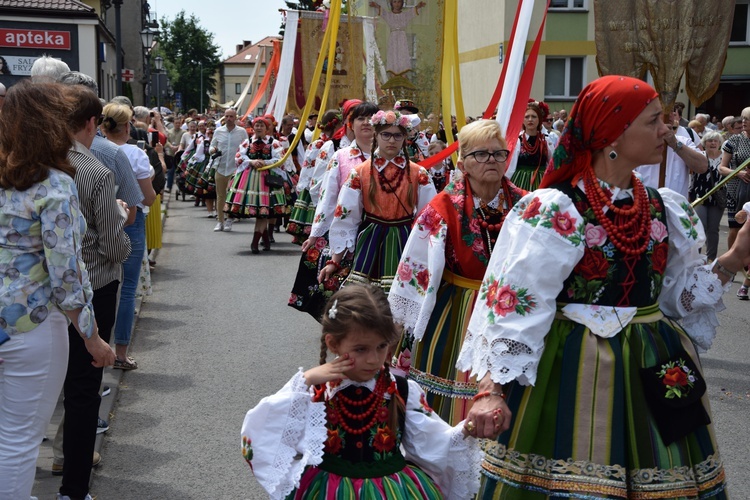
x: 346, y: 79
x: 405, y: 54
x: 667, y: 39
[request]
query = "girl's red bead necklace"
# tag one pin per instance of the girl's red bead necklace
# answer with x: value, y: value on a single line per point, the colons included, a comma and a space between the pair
x: 375, y: 400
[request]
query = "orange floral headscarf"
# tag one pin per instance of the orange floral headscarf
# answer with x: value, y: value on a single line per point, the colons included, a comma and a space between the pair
x: 605, y: 108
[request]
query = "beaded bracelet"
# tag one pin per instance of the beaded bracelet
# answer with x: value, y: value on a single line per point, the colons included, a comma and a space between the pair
x: 488, y: 393
x: 336, y: 264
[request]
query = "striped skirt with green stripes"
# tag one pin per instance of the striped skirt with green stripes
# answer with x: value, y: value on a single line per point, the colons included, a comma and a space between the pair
x: 584, y: 430
x: 528, y: 177
x: 301, y: 218
x: 378, y: 251
x: 409, y: 483
x: 433, y: 359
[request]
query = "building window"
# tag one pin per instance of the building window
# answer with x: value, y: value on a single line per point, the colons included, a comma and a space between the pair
x: 563, y: 77
x: 238, y: 88
x: 567, y: 4
x: 741, y: 23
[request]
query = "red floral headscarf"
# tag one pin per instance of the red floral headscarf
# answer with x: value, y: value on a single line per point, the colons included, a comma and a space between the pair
x: 605, y: 108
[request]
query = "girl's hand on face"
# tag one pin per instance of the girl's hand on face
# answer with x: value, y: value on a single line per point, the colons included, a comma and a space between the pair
x: 333, y: 370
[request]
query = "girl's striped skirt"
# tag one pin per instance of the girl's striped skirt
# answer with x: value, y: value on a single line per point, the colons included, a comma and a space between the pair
x: 250, y: 196
x: 301, y: 218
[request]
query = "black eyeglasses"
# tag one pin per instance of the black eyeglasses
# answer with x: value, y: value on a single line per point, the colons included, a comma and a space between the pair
x: 387, y: 136
x: 484, y: 156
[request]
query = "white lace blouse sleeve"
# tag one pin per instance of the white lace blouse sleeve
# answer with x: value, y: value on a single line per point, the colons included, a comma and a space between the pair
x: 347, y: 215
x: 440, y: 450
x: 691, y: 291
x: 325, y: 157
x: 426, y: 191
x: 540, y: 243
x: 282, y: 435
x: 308, y: 165
x: 277, y: 152
x: 329, y: 195
x: 419, y: 273
x: 241, y: 159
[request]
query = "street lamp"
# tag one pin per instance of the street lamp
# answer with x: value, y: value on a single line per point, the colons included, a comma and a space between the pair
x: 158, y: 64
x: 147, y: 39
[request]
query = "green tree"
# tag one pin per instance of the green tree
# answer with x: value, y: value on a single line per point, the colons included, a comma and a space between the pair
x: 187, y: 48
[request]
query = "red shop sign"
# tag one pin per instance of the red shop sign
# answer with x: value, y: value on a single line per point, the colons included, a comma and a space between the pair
x: 35, y: 39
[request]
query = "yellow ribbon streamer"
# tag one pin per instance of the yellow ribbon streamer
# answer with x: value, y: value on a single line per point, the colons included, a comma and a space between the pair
x: 327, y: 49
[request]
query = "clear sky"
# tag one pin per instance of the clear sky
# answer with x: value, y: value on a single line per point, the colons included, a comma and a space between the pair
x: 230, y: 21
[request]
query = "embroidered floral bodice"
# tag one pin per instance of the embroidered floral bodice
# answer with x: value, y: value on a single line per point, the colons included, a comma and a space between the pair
x: 605, y: 275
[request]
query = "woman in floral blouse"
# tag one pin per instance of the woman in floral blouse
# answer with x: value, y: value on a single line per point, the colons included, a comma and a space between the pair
x: 576, y: 321
x: 443, y: 264
x: 44, y: 280
x: 377, y: 205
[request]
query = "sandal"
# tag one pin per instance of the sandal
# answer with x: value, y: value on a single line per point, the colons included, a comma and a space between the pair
x: 125, y: 364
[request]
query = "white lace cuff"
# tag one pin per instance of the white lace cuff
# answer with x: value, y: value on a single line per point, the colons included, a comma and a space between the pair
x: 506, y: 360
x: 702, y: 301
x: 286, y: 432
x: 405, y: 311
x: 465, y: 459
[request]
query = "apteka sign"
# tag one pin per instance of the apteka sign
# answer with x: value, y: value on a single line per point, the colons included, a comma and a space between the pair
x: 35, y: 39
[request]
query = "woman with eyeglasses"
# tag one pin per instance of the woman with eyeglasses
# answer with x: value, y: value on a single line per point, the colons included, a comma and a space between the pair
x: 533, y: 151
x: 442, y: 266
x: 736, y: 150
x: 377, y: 205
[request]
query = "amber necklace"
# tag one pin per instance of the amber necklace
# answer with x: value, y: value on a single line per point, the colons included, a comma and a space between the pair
x: 632, y: 237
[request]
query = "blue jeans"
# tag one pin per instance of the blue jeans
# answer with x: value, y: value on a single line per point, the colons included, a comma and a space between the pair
x: 131, y: 272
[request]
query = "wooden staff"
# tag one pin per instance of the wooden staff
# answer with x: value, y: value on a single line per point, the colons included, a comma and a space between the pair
x: 721, y: 183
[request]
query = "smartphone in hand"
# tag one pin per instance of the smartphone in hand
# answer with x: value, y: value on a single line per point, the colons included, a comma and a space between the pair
x: 154, y: 139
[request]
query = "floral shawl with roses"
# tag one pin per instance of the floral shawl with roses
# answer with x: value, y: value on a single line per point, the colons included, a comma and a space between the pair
x: 295, y: 429
x: 446, y: 236
x: 542, y: 251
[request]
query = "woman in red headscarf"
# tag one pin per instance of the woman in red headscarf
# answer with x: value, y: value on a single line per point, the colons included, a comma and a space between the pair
x: 250, y: 194
x: 595, y: 389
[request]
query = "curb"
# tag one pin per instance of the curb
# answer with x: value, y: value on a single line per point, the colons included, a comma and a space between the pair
x: 46, y: 485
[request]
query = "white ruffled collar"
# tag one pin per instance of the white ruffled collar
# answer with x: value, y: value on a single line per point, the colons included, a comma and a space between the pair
x: 333, y: 388
x: 380, y: 163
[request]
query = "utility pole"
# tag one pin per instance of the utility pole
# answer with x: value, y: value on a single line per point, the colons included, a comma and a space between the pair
x: 118, y: 44
x: 201, y: 65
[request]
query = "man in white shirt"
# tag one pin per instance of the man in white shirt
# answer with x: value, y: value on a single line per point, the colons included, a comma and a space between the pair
x: 226, y: 142
x: 683, y: 157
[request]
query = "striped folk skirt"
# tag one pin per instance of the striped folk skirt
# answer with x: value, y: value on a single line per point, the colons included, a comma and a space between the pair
x: 433, y: 359
x: 584, y: 430
x: 301, y: 218
x: 250, y: 196
x: 528, y: 177
x: 378, y: 250
x: 409, y: 483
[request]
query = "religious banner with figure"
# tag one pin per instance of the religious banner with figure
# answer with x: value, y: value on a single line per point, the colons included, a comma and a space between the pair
x: 347, y: 81
x: 409, y: 37
x: 667, y: 39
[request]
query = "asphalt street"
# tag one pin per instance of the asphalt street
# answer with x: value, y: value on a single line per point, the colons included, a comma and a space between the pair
x: 216, y: 336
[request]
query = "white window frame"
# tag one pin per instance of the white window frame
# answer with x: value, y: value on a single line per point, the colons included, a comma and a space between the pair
x: 570, y: 7
x: 746, y: 41
x: 567, y: 94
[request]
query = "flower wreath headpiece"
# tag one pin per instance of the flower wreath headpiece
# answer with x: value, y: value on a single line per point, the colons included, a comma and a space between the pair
x: 392, y: 118
x: 543, y: 106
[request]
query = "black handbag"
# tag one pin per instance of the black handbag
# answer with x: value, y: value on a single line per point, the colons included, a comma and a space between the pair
x: 673, y: 390
x: 274, y: 180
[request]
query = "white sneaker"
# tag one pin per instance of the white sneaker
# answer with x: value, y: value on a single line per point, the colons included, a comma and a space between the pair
x: 218, y: 227
x: 228, y: 225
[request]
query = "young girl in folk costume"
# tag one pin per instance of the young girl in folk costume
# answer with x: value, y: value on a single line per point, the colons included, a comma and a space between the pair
x: 317, y: 157
x: 205, y: 188
x: 440, y: 173
x: 338, y: 430
x: 250, y: 194
x: 377, y: 206
x: 532, y: 152
x: 308, y: 294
